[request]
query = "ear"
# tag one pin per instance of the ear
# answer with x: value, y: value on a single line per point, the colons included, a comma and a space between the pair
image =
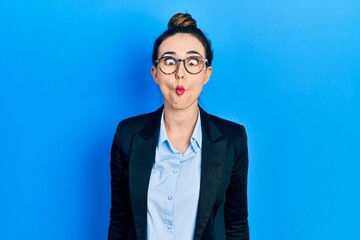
x: 208, y: 72
x: 154, y: 74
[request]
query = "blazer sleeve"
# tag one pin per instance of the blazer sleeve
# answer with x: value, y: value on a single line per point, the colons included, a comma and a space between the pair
x: 120, y: 215
x: 236, y: 208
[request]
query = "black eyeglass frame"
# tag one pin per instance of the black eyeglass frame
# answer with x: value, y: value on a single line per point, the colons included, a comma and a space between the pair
x: 177, y: 60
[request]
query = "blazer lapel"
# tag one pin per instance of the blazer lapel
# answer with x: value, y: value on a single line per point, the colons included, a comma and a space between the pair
x: 212, y: 162
x: 141, y: 161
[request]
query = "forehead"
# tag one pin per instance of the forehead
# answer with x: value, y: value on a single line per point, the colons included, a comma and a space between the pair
x: 181, y: 44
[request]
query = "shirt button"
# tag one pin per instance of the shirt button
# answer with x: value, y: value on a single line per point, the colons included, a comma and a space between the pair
x: 169, y: 227
x: 174, y: 171
x: 169, y: 197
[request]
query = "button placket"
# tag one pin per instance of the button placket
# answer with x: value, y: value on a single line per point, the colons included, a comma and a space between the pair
x: 172, y: 182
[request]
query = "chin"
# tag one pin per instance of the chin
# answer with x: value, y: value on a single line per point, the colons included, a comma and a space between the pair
x: 178, y: 106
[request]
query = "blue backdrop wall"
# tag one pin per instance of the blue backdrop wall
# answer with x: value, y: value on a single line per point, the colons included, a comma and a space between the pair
x: 71, y: 70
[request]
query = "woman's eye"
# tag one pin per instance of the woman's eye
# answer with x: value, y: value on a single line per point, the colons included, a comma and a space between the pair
x: 169, y: 61
x: 193, y: 62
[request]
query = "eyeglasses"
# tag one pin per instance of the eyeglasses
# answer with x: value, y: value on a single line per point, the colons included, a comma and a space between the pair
x: 193, y: 64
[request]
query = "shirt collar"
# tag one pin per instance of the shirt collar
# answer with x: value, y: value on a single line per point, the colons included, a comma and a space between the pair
x: 196, y: 138
x: 162, y: 135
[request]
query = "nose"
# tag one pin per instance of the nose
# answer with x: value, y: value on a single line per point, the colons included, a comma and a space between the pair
x: 180, y: 72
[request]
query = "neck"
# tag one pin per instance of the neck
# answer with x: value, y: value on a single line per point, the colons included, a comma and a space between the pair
x: 179, y: 125
x: 180, y: 119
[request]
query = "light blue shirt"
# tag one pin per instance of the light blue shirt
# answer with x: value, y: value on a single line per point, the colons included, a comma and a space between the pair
x: 174, y: 187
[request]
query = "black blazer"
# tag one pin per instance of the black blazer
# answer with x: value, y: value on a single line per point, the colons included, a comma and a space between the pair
x: 222, y: 208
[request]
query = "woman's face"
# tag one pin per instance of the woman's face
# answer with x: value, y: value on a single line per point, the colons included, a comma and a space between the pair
x: 181, y: 89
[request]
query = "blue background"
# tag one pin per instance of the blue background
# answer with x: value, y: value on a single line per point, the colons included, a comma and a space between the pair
x: 289, y: 71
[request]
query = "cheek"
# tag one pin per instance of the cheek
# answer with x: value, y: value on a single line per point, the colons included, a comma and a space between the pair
x: 198, y: 83
x: 197, y: 88
x: 165, y: 84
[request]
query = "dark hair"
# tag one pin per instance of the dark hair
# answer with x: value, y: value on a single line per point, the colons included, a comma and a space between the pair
x: 183, y: 23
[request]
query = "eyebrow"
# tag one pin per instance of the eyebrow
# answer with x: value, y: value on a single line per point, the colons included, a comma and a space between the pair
x: 174, y: 53
x: 171, y: 53
x: 193, y: 52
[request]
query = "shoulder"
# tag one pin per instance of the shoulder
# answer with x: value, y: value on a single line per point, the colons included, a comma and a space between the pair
x: 226, y: 125
x: 229, y: 129
x: 135, y: 124
x: 135, y: 121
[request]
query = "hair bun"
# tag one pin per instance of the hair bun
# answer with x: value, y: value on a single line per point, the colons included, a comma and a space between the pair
x: 181, y: 20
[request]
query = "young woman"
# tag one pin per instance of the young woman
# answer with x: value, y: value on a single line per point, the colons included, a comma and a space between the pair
x: 179, y: 173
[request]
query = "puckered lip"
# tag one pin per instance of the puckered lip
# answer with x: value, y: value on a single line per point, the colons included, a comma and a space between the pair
x: 180, y: 90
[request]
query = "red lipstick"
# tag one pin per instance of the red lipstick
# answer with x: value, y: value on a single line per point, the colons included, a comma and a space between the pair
x: 180, y: 90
